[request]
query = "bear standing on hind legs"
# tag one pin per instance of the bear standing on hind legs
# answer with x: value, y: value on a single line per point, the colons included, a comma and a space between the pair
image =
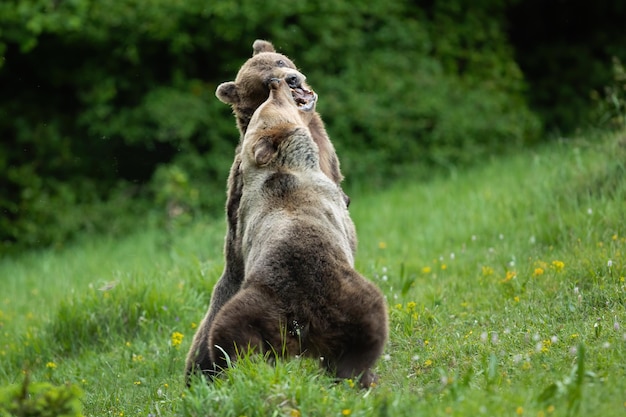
x: 301, y: 294
x: 245, y: 94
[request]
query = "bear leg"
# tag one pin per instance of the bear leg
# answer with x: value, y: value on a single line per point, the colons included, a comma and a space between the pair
x: 357, y: 364
x: 363, y: 342
x: 248, y: 322
x: 198, y: 358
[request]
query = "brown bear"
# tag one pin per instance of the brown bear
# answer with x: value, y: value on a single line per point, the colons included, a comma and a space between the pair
x: 301, y: 294
x: 245, y: 95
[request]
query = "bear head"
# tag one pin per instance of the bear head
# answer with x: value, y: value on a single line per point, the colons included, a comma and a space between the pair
x: 251, y: 86
x: 284, y: 116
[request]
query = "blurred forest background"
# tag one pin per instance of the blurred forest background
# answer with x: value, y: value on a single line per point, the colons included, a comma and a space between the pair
x: 108, y: 116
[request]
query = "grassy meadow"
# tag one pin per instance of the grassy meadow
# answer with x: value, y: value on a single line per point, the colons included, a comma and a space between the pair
x: 505, y: 284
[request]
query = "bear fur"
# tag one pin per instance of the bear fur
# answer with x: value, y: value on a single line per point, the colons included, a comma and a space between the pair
x: 245, y: 94
x: 301, y: 294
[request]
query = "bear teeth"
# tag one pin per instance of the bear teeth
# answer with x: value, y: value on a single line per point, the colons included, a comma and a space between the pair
x: 302, y: 97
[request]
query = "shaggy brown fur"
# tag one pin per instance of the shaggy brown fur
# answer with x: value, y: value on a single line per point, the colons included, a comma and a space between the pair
x: 245, y: 95
x: 301, y: 293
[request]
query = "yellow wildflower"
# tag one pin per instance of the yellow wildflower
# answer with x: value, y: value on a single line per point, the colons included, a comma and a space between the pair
x: 426, y: 269
x: 509, y: 276
x: 410, y: 306
x: 519, y: 411
x: 177, y: 339
x: 295, y: 413
x: 346, y: 412
x: 538, y: 271
x: 428, y: 363
x: 487, y: 270
x: 558, y: 265
x: 51, y: 365
x: 382, y: 245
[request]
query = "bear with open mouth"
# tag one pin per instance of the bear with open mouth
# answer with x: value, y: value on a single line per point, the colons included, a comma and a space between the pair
x: 245, y: 94
x: 301, y: 294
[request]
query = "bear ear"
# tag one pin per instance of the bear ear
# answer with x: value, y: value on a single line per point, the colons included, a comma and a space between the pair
x: 227, y: 92
x: 264, y: 150
x: 262, y: 46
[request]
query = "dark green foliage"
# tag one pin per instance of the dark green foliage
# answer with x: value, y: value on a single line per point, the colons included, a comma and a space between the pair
x: 113, y: 101
x: 410, y: 85
x: 40, y: 399
x: 95, y: 96
x: 565, y: 50
x: 609, y: 110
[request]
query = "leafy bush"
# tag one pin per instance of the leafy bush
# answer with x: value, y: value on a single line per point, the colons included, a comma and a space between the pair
x: 565, y: 55
x: 609, y: 109
x: 108, y: 99
x: 40, y: 399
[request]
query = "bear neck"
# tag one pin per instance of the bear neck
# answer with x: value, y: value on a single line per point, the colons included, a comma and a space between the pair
x: 299, y: 152
x: 244, y: 114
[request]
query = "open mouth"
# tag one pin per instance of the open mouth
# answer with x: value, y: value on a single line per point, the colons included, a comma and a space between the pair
x: 304, y: 99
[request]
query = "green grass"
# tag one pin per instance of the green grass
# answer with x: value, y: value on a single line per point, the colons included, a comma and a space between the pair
x: 505, y: 286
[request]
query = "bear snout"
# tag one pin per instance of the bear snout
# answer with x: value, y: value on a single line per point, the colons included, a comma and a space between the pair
x: 294, y: 80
